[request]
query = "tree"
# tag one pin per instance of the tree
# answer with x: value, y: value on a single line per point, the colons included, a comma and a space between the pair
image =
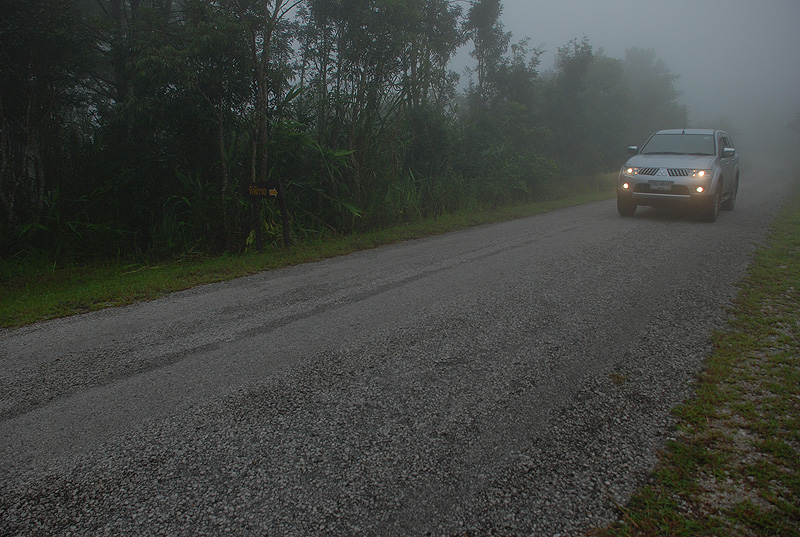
x: 213, y: 59
x: 653, y: 95
x: 268, y: 42
x: 572, y: 65
x: 518, y: 77
x: 607, y: 111
x: 567, y: 107
x: 378, y: 73
x: 490, y: 41
x: 433, y: 37
x: 41, y: 65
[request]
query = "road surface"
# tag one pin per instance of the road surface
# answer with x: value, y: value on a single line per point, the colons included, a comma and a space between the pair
x: 513, y: 379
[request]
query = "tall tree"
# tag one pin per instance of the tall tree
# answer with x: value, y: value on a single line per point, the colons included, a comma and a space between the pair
x: 484, y: 27
x: 41, y: 65
x: 213, y: 59
x: 119, y: 31
x: 268, y: 40
x: 654, y: 98
x: 318, y: 36
x: 567, y: 107
x: 433, y: 38
x: 608, y: 111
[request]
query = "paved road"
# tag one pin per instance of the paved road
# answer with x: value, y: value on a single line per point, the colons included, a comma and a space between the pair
x: 508, y: 379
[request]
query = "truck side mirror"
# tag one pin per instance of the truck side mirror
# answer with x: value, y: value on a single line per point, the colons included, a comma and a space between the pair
x: 633, y: 150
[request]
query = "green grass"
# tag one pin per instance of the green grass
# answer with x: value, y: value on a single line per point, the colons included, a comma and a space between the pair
x: 735, y: 468
x: 36, y: 291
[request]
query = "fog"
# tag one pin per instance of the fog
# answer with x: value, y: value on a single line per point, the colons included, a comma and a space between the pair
x: 737, y: 59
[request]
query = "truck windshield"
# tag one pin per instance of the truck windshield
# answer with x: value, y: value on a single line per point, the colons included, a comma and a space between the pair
x: 679, y: 144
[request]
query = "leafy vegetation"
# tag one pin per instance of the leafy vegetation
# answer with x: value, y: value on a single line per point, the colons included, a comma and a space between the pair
x: 735, y: 467
x: 129, y: 129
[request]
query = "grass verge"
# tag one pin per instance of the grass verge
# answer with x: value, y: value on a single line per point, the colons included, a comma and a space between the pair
x: 734, y: 469
x: 36, y: 292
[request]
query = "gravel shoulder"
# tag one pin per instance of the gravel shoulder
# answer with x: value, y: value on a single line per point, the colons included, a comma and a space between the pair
x: 512, y: 379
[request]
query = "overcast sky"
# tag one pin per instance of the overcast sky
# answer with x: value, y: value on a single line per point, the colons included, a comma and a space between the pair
x: 735, y: 58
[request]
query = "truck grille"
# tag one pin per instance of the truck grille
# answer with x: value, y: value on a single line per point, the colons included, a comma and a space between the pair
x: 672, y: 172
x: 678, y: 172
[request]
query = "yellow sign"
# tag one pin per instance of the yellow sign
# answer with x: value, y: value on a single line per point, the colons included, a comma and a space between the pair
x: 262, y: 190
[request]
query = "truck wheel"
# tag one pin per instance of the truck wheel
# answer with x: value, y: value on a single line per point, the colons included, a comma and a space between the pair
x: 625, y: 207
x: 730, y: 202
x: 712, y: 210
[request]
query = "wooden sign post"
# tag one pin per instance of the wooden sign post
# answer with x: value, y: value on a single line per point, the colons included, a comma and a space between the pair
x: 274, y: 190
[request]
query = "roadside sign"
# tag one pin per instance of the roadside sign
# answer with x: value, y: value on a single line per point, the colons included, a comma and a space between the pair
x: 263, y: 190
x: 258, y: 191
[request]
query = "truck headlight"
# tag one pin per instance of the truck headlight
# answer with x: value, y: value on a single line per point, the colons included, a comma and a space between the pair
x: 629, y: 171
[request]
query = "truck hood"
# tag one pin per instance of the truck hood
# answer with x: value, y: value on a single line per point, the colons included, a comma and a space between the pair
x: 694, y: 162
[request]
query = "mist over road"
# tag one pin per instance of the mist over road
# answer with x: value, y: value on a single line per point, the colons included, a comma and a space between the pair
x: 514, y: 378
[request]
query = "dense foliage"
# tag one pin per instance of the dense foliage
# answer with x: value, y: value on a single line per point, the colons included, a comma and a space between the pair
x: 130, y: 127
